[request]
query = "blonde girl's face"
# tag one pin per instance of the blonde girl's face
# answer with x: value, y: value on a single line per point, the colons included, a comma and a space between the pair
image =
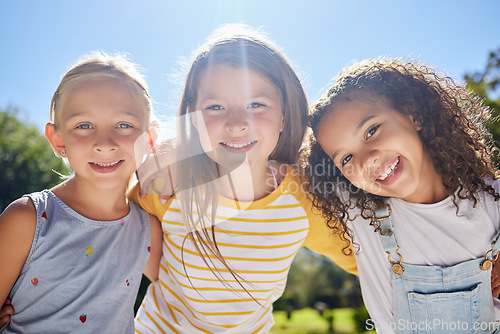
x: 239, y: 114
x: 102, y: 130
x: 378, y: 150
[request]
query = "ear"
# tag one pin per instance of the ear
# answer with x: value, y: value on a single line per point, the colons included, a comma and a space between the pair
x: 152, y: 134
x: 416, y: 124
x: 282, y: 122
x: 55, y: 138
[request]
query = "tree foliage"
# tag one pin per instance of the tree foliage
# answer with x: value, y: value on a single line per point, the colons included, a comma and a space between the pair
x: 486, y: 84
x: 27, y: 162
x: 314, y: 278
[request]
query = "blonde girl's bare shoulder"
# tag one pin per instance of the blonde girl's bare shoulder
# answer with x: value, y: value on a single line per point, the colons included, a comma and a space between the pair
x: 17, y: 229
x: 21, y: 210
x: 19, y: 220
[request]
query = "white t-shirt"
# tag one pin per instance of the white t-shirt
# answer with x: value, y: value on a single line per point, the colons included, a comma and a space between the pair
x: 428, y: 234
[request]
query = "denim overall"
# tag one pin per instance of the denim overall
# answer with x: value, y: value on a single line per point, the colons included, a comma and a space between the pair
x: 435, y: 299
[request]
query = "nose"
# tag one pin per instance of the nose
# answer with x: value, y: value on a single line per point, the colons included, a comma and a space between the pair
x: 237, y: 120
x: 371, y: 159
x: 105, y: 143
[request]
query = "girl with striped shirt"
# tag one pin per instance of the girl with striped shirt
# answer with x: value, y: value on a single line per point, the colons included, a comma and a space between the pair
x: 238, y: 212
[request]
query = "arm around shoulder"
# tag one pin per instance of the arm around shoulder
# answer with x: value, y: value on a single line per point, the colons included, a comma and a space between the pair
x: 153, y: 266
x: 323, y: 240
x: 17, y: 230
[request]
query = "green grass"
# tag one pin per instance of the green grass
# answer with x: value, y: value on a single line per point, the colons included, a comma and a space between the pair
x: 309, y: 321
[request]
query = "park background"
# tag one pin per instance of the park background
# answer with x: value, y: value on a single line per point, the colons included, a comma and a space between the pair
x: 39, y: 39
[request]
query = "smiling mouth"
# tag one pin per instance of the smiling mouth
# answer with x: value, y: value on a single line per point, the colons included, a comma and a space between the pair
x: 389, y: 170
x: 240, y: 145
x: 109, y: 164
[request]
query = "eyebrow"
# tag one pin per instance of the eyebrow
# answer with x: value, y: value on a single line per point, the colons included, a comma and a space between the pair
x: 212, y: 97
x: 83, y: 114
x: 363, y: 122
x: 360, y: 125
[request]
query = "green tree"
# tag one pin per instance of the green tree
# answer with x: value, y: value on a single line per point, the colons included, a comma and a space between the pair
x: 27, y: 162
x: 486, y: 84
x: 314, y: 278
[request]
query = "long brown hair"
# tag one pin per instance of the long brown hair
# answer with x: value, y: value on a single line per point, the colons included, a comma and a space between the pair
x: 453, y: 132
x: 242, y: 47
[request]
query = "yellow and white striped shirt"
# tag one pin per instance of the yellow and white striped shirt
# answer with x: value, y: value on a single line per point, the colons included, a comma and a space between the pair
x: 259, y: 243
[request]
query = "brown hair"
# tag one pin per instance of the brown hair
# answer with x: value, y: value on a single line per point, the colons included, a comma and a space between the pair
x: 452, y: 131
x: 238, y: 46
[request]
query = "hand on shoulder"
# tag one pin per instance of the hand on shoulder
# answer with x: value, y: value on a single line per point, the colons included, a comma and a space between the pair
x: 155, y: 175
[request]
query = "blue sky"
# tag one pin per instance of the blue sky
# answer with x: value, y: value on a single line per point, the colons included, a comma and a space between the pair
x: 39, y: 39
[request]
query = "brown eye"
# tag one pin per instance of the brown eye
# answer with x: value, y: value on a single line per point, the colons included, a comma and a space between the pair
x: 371, y: 131
x: 346, y: 159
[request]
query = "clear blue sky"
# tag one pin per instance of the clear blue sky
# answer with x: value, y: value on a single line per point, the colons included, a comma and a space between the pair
x: 39, y: 39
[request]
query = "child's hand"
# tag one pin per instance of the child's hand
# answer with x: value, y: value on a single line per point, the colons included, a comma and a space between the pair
x: 155, y: 174
x: 495, y: 279
x: 5, y: 313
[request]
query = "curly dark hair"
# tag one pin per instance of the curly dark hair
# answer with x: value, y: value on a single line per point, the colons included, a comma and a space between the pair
x: 453, y: 132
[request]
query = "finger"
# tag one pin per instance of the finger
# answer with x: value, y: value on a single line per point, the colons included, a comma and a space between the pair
x: 7, y: 308
x: 158, y: 185
x: 495, y: 287
x: 495, y: 283
x: 148, y: 168
x: 496, y: 292
x: 164, y: 199
x: 4, y: 320
x: 5, y: 313
x: 494, y: 275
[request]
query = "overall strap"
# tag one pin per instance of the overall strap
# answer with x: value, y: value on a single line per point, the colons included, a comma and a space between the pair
x: 491, y: 255
x: 387, y: 236
x: 496, y: 243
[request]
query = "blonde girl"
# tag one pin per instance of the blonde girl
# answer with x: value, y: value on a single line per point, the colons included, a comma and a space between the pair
x: 78, y: 250
x: 238, y: 214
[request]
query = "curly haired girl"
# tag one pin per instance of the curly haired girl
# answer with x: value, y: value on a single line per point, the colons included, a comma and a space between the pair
x: 404, y: 148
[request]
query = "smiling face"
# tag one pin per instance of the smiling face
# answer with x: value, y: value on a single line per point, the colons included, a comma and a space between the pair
x: 101, y: 124
x: 241, y: 114
x: 378, y: 150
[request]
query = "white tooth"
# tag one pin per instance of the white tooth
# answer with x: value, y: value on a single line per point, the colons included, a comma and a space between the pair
x: 238, y: 145
x: 389, y: 170
x: 107, y: 165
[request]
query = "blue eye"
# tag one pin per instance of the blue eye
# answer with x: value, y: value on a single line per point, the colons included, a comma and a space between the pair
x: 346, y: 159
x: 83, y: 126
x: 124, y: 126
x: 255, y: 105
x: 371, y: 131
x: 215, y: 107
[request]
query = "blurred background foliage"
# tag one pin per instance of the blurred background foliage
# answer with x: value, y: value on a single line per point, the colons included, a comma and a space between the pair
x: 315, y: 284
x: 27, y: 161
